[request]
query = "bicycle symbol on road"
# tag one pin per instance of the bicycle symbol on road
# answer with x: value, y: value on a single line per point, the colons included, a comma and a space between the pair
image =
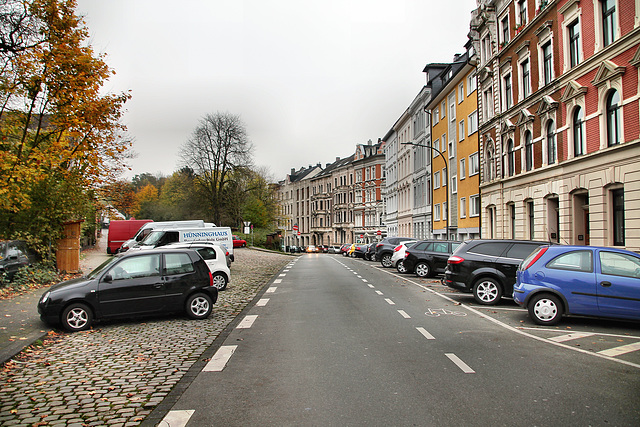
x: 443, y: 312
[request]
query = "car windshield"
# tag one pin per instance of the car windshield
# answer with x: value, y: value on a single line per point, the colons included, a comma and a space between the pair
x: 99, y: 269
x: 152, y: 239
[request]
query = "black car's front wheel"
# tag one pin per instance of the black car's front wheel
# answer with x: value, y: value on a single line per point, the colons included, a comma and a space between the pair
x: 199, y: 306
x: 487, y: 291
x: 77, y: 317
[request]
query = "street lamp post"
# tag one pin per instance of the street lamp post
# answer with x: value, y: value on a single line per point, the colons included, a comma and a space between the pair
x: 446, y: 166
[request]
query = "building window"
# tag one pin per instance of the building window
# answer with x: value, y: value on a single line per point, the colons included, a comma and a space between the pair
x: 491, y: 163
x: 551, y: 143
x: 436, y: 180
x: 436, y: 212
x: 511, y: 157
x: 463, y: 169
x: 522, y: 11
x: 436, y: 115
x: 608, y: 21
x: 574, y: 44
x: 487, y: 98
x: 461, y: 130
x: 579, y: 147
x: 507, y: 91
x: 528, y: 150
x: 512, y: 214
x: 454, y: 184
x: 443, y: 108
x: 531, y: 219
x: 505, y: 29
x: 474, y: 165
x: 444, y: 142
x: 474, y: 205
x: 526, y: 81
x: 460, y: 92
x: 463, y: 207
x: 547, y: 63
x: 473, y: 122
x: 472, y: 85
x: 613, y: 118
x: 618, y: 217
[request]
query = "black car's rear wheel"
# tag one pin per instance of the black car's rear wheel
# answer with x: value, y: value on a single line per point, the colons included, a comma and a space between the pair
x: 198, y: 306
x: 423, y: 269
x: 77, y: 317
x: 487, y: 291
x: 545, y: 309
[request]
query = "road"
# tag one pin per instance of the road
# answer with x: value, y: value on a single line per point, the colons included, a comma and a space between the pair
x: 339, y: 341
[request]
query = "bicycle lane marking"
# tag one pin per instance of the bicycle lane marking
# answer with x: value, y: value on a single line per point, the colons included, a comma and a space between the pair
x: 512, y: 329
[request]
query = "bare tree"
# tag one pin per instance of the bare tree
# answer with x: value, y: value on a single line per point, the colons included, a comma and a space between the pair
x: 218, y: 147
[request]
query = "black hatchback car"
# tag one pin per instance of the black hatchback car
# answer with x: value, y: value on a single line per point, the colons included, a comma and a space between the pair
x: 134, y: 284
x: 487, y: 268
x: 429, y: 257
x: 384, y: 249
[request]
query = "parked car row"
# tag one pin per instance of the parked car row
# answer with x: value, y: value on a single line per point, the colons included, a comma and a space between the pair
x: 549, y: 280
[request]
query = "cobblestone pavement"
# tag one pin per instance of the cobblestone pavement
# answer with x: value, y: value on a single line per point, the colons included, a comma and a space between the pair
x: 118, y: 373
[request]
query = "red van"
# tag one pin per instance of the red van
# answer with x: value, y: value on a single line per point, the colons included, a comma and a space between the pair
x: 121, y: 231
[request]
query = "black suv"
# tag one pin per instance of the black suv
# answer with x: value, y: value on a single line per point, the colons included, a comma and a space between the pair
x: 487, y: 267
x: 428, y: 257
x: 384, y: 249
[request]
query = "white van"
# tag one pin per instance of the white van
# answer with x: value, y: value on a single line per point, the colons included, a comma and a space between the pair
x: 161, y: 237
x: 150, y: 226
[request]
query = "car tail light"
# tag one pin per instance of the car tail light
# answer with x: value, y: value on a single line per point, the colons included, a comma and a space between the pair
x: 210, y: 278
x: 397, y: 248
x: 454, y: 259
x: 532, y: 260
x: 378, y: 245
x: 406, y: 253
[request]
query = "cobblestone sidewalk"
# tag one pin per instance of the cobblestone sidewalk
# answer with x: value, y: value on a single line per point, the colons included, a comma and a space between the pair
x: 118, y: 373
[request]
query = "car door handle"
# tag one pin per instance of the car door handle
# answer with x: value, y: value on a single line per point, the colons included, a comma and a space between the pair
x: 158, y: 285
x: 605, y: 284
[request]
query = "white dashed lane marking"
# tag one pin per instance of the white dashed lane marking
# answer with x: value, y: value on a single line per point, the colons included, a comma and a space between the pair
x: 271, y: 290
x: 176, y: 418
x: 426, y: 334
x: 247, y: 322
x: 389, y: 301
x: 220, y: 359
x: 262, y: 302
x: 460, y: 364
x: 404, y: 314
x: 379, y: 293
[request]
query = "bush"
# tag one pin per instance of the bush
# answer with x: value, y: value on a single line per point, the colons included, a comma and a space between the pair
x: 32, y: 277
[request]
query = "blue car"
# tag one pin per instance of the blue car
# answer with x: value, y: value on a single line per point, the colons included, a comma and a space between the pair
x: 581, y: 280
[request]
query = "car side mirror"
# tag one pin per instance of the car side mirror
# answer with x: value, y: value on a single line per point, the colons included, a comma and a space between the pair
x: 107, y: 278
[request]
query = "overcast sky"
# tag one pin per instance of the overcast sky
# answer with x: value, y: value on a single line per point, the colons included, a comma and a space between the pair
x: 310, y: 79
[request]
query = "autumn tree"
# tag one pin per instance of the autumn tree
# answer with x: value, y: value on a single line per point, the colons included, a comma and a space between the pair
x: 55, y: 125
x: 218, y: 147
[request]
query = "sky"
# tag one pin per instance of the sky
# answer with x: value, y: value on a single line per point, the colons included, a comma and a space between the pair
x: 309, y: 79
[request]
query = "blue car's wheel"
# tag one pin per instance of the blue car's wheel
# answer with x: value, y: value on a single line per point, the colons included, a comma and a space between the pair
x: 545, y: 309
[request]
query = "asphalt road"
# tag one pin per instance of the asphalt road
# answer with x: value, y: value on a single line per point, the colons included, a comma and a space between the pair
x: 339, y: 341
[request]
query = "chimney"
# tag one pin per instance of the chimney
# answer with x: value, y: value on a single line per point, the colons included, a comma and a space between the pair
x: 337, y: 159
x: 370, y: 142
x: 293, y: 171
